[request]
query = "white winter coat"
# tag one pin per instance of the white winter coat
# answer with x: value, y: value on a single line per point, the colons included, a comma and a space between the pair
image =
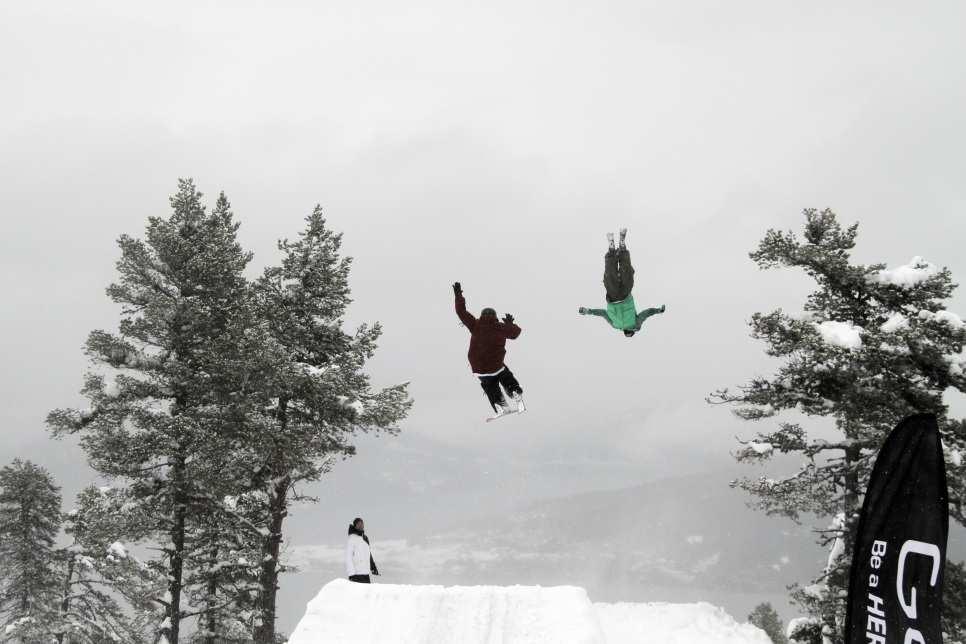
x: 357, y: 555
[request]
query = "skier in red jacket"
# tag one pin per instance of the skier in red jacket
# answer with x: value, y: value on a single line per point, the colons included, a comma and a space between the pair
x: 488, y: 338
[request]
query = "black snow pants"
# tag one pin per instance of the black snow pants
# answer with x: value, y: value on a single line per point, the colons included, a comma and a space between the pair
x: 491, y: 386
x: 360, y: 579
x: 618, y: 274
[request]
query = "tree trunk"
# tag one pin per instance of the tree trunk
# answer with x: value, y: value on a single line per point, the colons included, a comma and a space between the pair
x: 271, y: 545
x: 838, y: 584
x: 268, y: 575
x: 212, y: 599
x: 65, y: 603
x: 852, y: 494
x: 176, y: 566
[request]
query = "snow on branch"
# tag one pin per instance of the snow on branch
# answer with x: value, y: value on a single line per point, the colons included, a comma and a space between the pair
x: 907, y: 276
x: 840, y: 334
x: 948, y: 318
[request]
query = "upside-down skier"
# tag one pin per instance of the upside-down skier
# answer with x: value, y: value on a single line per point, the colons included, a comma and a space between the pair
x: 488, y: 336
x: 621, y: 312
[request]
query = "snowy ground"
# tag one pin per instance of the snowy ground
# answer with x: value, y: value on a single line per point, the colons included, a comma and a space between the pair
x: 392, y: 614
x: 674, y: 624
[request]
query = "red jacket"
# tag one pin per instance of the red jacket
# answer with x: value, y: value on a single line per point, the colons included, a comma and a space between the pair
x: 488, y: 338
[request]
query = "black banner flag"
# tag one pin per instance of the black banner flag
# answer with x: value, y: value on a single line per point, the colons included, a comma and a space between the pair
x: 896, y: 583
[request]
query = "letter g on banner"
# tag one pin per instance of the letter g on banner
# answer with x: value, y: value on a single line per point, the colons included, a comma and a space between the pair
x: 919, y: 548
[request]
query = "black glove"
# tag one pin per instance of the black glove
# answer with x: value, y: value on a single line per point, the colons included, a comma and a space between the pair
x: 457, y: 289
x: 508, y: 319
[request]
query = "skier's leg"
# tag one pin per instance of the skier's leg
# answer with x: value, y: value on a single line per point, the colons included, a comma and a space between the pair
x: 491, y: 387
x: 512, y: 386
x: 626, y: 273
x: 510, y: 383
x: 612, y: 276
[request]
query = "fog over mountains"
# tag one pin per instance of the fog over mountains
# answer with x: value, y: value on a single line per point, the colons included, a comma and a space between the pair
x: 675, y: 538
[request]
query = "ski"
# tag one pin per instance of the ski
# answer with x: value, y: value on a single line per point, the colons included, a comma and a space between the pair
x: 512, y: 412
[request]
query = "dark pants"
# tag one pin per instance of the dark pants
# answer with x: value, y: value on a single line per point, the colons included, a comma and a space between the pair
x: 360, y: 579
x: 618, y: 275
x: 491, y: 386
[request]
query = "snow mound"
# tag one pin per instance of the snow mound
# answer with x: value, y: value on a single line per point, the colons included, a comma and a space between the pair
x: 674, y: 624
x: 348, y: 613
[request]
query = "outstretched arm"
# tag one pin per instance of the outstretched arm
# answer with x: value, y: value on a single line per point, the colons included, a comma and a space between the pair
x: 465, y: 317
x: 602, y: 313
x: 646, y: 313
x: 510, y: 329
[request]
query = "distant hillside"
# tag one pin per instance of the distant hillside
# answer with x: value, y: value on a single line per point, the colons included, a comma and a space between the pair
x: 681, y: 539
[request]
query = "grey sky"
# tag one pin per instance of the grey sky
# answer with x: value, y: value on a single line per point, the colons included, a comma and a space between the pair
x: 492, y: 143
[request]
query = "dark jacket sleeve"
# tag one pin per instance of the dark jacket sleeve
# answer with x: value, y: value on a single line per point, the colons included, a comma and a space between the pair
x: 511, y: 330
x: 465, y: 316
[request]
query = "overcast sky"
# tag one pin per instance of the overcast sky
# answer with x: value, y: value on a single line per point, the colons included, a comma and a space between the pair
x: 492, y: 143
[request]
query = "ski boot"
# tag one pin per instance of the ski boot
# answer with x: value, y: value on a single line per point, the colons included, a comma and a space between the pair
x: 518, y: 399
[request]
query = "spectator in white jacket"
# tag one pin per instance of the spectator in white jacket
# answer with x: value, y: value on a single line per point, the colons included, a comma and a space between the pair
x: 358, y: 556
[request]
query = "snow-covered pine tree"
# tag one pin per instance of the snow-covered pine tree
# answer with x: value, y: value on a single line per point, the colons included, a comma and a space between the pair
x: 154, y: 424
x: 30, y: 521
x: 316, y: 395
x: 223, y: 571
x: 766, y: 618
x: 872, y: 347
x: 107, y: 593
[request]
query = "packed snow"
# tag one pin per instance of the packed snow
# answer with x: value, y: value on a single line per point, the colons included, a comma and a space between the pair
x: 116, y: 551
x: 896, y: 322
x: 761, y: 449
x: 674, y: 624
x: 948, y: 318
x: 797, y: 623
x: 910, y: 275
x: 840, y: 334
x: 953, y: 456
x: 346, y: 612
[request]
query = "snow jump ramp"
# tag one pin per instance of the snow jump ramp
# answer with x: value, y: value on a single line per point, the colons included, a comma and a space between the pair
x: 349, y: 613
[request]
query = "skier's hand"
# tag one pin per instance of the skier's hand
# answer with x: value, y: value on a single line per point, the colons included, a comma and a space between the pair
x: 582, y: 310
x: 508, y: 319
x: 457, y: 289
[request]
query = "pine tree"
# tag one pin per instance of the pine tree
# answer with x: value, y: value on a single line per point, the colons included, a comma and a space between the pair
x: 107, y: 592
x: 314, y: 393
x: 872, y: 347
x: 766, y: 618
x: 29, y: 524
x: 954, y: 604
x: 158, y: 422
x: 224, y: 568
